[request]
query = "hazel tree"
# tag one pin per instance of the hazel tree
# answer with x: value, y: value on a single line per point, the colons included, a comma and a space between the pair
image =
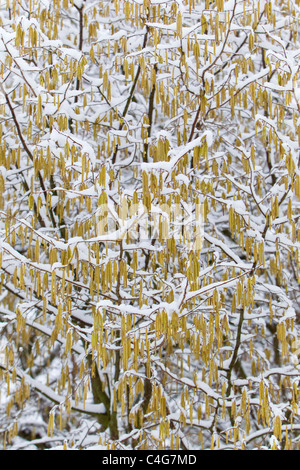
x: 149, y: 221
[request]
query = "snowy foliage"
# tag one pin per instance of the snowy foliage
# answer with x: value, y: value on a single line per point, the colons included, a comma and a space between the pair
x: 125, y: 323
